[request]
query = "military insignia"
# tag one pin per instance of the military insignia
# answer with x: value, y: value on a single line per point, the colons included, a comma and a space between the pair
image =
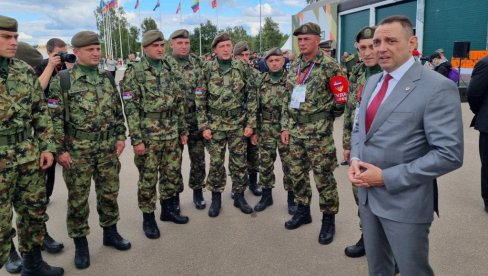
x: 407, y: 88
x: 198, y: 91
x: 339, y: 86
x: 53, y: 103
x: 367, y: 33
x: 127, y: 95
x: 305, y: 29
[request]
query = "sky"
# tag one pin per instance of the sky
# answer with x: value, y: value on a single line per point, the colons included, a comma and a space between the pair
x: 40, y: 20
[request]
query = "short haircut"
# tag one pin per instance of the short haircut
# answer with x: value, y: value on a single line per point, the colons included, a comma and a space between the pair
x: 53, y: 43
x: 403, y: 20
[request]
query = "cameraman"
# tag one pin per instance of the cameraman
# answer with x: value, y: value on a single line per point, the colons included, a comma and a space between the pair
x: 438, y: 63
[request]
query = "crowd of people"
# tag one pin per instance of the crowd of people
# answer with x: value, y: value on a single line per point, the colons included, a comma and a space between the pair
x: 402, y: 130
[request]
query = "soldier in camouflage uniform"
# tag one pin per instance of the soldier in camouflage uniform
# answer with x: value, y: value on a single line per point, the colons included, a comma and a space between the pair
x: 90, y: 134
x: 272, y: 95
x: 317, y: 97
x: 26, y: 144
x: 191, y: 67
x: 154, y: 107
x: 226, y: 113
x: 360, y: 72
x: 242, y: 52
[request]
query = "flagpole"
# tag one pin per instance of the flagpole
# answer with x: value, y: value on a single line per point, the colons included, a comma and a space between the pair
x: 120, y: 40
x: 200, y: 33
x: 140, y: 26
x: 260, y: 30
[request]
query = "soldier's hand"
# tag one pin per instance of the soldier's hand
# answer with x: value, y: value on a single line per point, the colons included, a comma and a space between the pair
x: 254, y: 139
x: 46, y: 160
x: 347, y: 155
x: 65, y: 160
x: 184, y: 139
x: 140, y: 149
x: 119, y: 147
x: 285, y: 137
x: 207, y: 134
x: 248, y: 132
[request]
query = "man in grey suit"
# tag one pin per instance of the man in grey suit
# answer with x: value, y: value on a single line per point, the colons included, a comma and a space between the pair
x: 408, y: 131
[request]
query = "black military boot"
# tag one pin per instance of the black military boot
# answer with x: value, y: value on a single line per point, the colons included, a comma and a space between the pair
x: 82, y: 254
x: 253, y: 184
x: 292, y: 206
x: 327, y: 230
x: 176, y: 203
x: 266, y: 200
x: 198, y: 199
x: 214, y: 209
x: 301, y: 216
x: 356, y: 250
x: 169, y: 213
x: 150, y: 226
x: 111, y: 237
x: 35, y: 266
x: 241, y: 203
x: 14, y: 262
x: 50, y: 245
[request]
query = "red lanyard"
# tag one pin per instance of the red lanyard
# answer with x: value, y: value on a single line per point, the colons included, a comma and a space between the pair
x: 307, y: 72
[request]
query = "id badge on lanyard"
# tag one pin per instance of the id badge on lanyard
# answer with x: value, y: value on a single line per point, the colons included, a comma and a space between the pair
x: 300, y: 89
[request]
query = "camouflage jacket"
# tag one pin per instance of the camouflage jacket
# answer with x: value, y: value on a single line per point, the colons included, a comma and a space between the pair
x: 192, y: 72
x: 357, y: 80
x: 154, y: 104
x: 23, y: 106
x: 319, y: 98
x: 272, y: 98
x: 226, y: 100
x: 94, y: 107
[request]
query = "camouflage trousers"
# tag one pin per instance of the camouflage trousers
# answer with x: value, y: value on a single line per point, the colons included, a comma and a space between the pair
x: 216, y: 147
x: 252, y: 157
x: 104, y: 167
x: 319, y: 154
x: 22, y: 186
x: 162, y: 162
x: 196, y: 151
x: 267, y: 152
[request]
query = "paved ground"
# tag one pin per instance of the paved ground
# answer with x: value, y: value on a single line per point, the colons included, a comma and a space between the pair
x: 258, y: 244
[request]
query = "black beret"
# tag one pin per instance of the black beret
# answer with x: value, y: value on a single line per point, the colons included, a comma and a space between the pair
x: 181, y: 33
x: 220, y: 38
x: 307, y: 28
x: 85, y: 38
x: 8, y: 24
x: 152, y: 36
x: 365, y: 33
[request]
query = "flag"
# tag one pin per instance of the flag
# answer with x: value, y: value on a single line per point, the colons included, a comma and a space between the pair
x: 178, y: 8
x: 137, y: 5
x: 214, y: 4
x: 157, y: 6
x: 112, y: 4
x: 105, y: 9
x: 196, y: 6
x: 102, y: 4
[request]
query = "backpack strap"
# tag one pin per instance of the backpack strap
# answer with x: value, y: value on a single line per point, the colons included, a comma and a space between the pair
x: 112, y: 79
x: 64, y: 81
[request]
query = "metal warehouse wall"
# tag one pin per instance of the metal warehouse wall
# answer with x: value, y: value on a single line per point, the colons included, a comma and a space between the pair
x: 408, y: 9
x: 350, y: 26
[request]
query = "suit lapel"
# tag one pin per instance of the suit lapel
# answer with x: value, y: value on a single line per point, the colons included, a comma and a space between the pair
x: 403, y: 88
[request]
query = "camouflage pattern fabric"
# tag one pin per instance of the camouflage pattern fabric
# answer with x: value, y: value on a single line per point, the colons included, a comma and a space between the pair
x: 160, y: 95
x: 95, y: 107
x: 311, y: 143
x: 191, y: 68
x: 226, y: 104
x: 272, y: 95
x: 253, y: 150
x: 22, y: 106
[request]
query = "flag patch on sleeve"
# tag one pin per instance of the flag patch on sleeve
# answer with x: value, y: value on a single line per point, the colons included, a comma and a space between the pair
x: 52, y: 103
x: 127, y: 95
x: 198, y: 91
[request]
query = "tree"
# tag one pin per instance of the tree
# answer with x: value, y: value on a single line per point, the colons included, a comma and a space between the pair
x: 238, y: 33
x: 209, y: 31
x: 271, y: 36
x: 148, y: 24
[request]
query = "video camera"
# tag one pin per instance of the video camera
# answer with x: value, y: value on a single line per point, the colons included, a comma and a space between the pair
x: 65, y: 57
x: 431, y: 57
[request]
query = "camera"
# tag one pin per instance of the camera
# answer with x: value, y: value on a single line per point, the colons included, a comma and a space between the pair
x: 431, y: 57
x: 65, y: 57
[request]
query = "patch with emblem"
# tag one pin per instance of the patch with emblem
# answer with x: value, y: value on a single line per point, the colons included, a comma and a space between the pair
x: 127, y: 95
x: 198, y: 91
x: 340, y: 87
x: 53, y: 103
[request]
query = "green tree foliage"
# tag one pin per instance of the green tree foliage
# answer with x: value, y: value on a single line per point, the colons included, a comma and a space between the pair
x: 148, y: 24
x: 271, y: 36
x: 209, y: 31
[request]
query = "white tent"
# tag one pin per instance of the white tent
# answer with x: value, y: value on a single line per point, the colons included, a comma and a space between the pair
x: 287, y: 45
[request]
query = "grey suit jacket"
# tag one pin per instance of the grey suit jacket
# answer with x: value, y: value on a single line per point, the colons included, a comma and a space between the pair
x: 416, y: 136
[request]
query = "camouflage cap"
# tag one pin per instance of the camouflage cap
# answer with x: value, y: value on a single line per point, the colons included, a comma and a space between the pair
x: 28, y: 54
x: 240, y: 47
x: 181, y: 33
x: 327, y: 45
x: 273, y: 52
x: 152, y: 36
x: 85, y: 38
x: 8, y: 24
x: 220, y: 37
x: 365, y: 33
x: 307, y: 28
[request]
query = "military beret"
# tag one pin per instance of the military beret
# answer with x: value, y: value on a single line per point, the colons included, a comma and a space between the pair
x: 182, y: 33
x: 240, y: 47
x: 85, y: 38
x: 28, y: 54
x: 152, y: 36
x: 220, y: 38
x: 8, y: 24
x: 307, y: 28
x: 326, y: 44
x: 440, y: 50
x: 273, y: 52
x: 365, y: 33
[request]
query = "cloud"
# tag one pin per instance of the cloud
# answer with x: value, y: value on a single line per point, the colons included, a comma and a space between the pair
x: 295, y: 3
x: 266, y: 10
x: 23, y: 35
